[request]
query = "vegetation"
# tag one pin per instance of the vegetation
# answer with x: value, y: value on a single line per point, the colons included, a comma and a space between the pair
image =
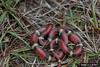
x: 20, y: 18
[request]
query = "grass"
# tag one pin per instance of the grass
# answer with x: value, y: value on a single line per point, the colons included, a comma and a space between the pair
x: 15, y: 50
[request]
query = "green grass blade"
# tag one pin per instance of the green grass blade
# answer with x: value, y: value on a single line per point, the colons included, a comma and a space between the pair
x: 17, y: 1
x: 2, y: 17
x: 8, y: 3
x: 20, y: 50
x: 94, y: 14
x: 19, y: 22
x: 71, y: 14
x: 15, y: 35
